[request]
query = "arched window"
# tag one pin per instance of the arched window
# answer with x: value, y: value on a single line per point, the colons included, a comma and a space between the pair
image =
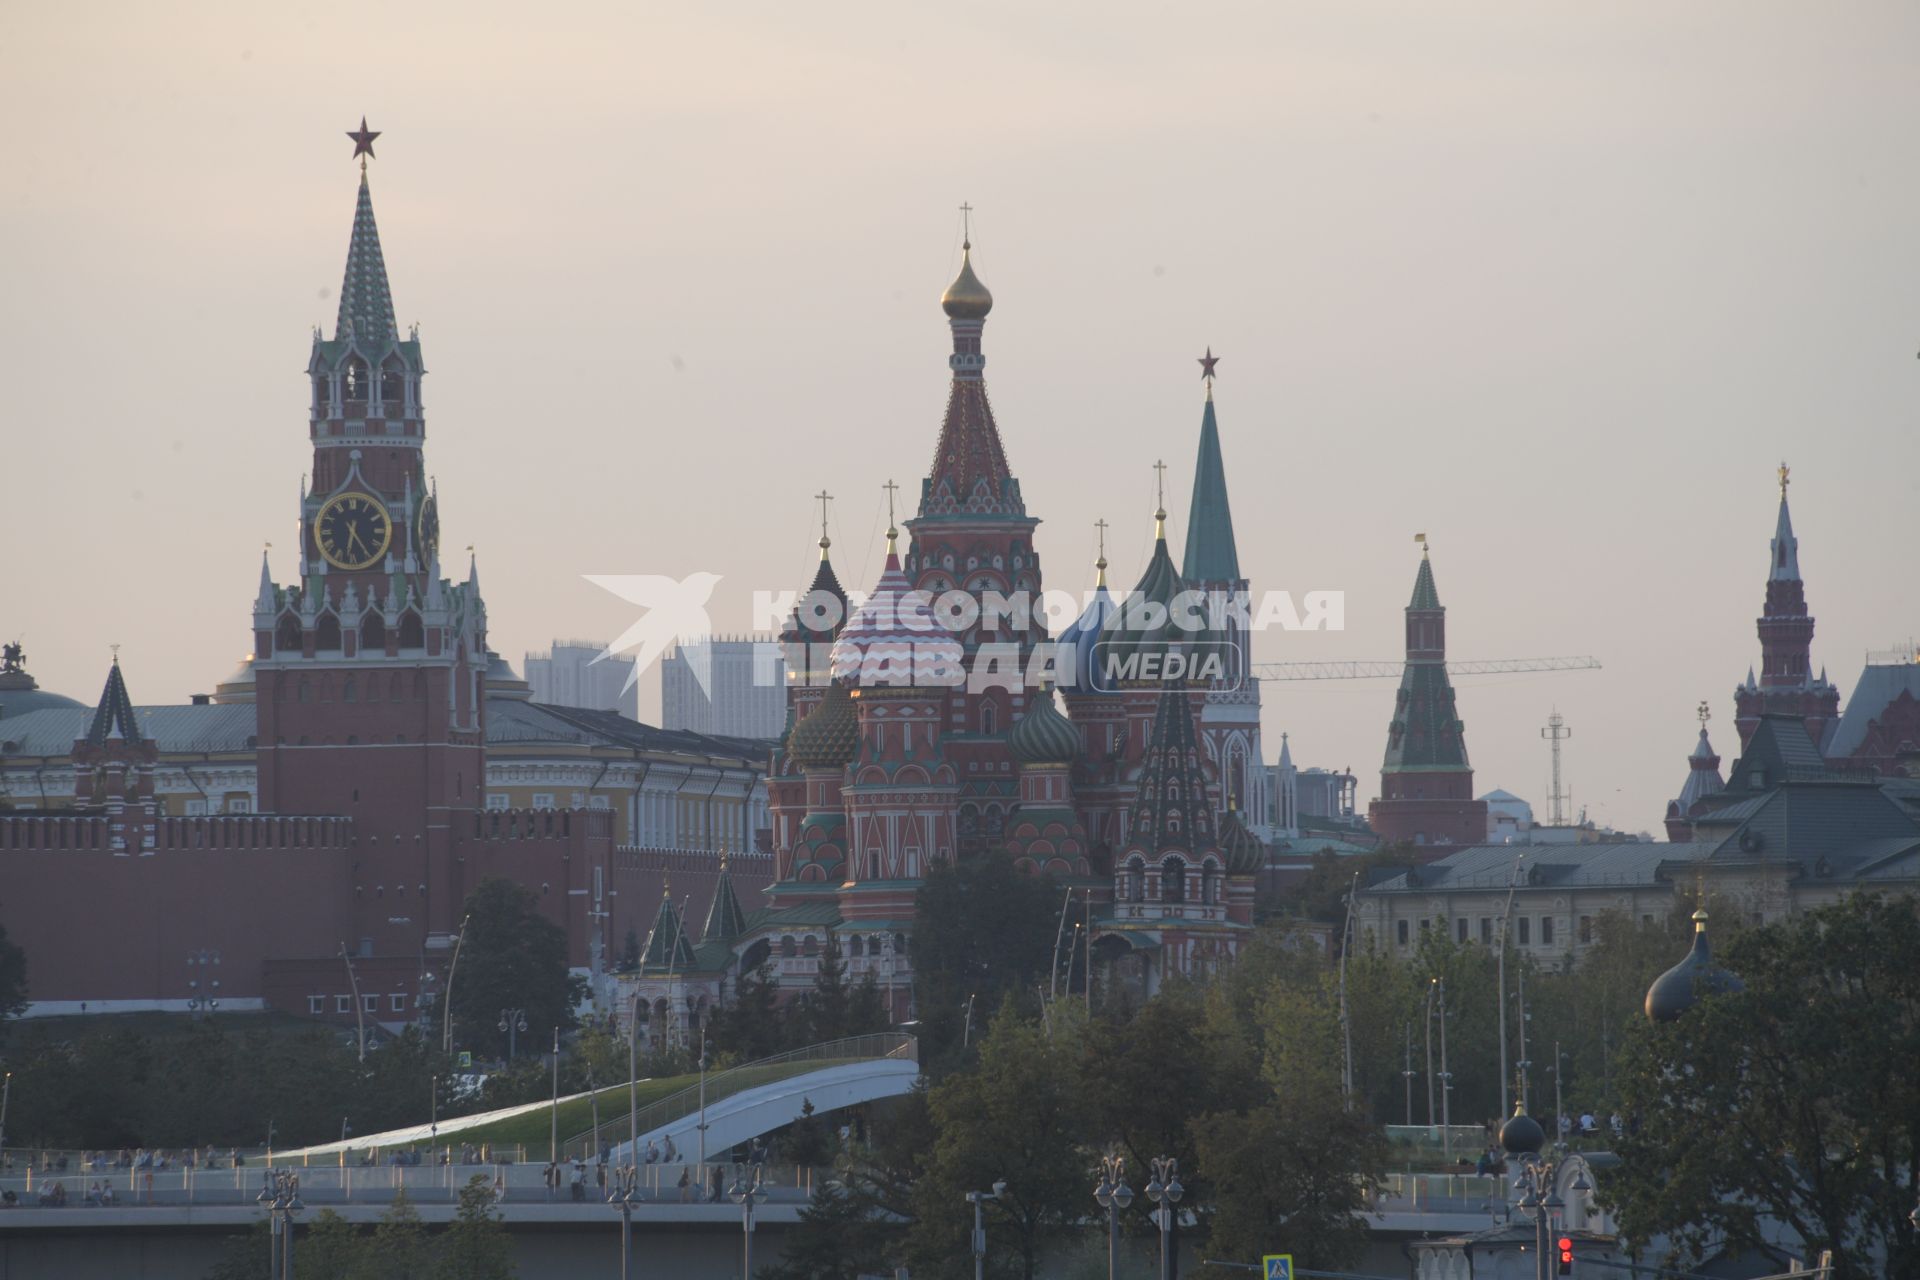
x: 1173, y: 880
x: 286, y: 638
x: 390, y: 385
x: 788, y: 948
x: 989, y: 718
x: 856, y: 945
x: 350, y: 691
x: 1136, y: 881
x: 373, y: 632
x: 356, y: 379
x: 412, y: 634
x: 810, y: 946
x: 306, y: 690
x: 327, y: 634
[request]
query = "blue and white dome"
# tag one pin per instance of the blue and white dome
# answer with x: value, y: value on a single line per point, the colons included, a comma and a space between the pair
x: 1073, y: 658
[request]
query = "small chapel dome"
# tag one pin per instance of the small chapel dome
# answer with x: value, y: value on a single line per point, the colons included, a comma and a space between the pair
x: 1679, y: 988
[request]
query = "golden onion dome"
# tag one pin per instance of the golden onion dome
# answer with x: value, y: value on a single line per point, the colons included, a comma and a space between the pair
x: 966, y: 298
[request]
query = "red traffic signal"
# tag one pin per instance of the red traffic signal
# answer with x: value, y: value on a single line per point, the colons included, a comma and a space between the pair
x: 1566, y: 1255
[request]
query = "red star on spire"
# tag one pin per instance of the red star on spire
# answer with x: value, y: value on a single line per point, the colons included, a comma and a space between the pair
x: 1207, y: 362
x: 362, y: 139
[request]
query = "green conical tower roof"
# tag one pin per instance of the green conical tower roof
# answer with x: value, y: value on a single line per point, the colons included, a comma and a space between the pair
x: 113, y: 717
x: 1425, y: 595
x: 366, y: 304
x: 1211, y: 556
x: 725, y: 920
x: 667, y: 946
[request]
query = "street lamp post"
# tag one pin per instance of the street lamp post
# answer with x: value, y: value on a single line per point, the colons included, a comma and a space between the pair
x: 702, y: 1126
x: 1429, y: 1021
x: 513, y: 1021
x: 1537, y: 1181
x: 1165, y: 1190
x: 745, y: 1192
x: 553, y: 1149
x: 626, y: 1190
x: 1113, y: 1195
x: 433, y: 1112
x: 977, y: 1199
x: 6, y: 1096
x: 1446, y: 1078
x: 446, y: 1018
x: 280, y: 1195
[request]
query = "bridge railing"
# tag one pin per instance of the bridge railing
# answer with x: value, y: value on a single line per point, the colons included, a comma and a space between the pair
x: 379, y: 1184
x: 750, y: 1075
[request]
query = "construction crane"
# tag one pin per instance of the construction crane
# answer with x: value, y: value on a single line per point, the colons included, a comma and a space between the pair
x: 1363, y: 669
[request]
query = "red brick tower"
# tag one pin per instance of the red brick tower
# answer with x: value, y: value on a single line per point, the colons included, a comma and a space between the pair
x: 369, y: 665
x: 1787, y: 684
x: 113, y: 769
x: 1426, y: 784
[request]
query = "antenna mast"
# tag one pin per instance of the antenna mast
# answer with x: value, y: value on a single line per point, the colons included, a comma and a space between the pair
x: 1557, y: 732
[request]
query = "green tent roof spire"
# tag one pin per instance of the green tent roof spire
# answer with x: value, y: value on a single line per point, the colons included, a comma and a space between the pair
x: 725, y: 920
x: 366, y: 305
x: 113, y: 717
x: 667, y: 946
x: 1211, y: 556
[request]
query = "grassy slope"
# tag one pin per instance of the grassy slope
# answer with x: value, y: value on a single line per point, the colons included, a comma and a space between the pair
x: 532, y: 1129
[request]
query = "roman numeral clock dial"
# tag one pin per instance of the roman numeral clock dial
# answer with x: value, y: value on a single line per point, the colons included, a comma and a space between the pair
x: 353, y: 531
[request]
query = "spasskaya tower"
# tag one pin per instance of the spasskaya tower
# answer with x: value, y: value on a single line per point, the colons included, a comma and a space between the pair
x: 369, y: 664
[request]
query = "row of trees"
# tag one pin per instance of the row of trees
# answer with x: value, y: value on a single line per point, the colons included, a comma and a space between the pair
x: 400, y: 1247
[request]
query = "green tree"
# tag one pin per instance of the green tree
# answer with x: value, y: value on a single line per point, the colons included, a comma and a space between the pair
x: 327, y: 1249
x: 984, y: 929
x: 513, y: 958
x: 826, y: 1008
x: 857, y: 1221
x: 753, y: 1024
x: 13, y: 976
x: 1796, y: 1100
x: 475, y: 1246
x: 1018, y: 1117
x: 398, y: 1249
x: 1289, y: 1178
x: 630, y: 951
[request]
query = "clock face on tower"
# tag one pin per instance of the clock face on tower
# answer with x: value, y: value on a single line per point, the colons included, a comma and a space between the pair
x: 353, y: 531
x: 426, y: 533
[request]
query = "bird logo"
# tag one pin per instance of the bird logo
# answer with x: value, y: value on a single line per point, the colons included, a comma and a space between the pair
x: 675, y: 612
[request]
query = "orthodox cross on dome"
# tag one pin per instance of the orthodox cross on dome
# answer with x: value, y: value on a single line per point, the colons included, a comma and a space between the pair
x: 1207, y: 362
x: 823, y: 498
x: 893, y: 531
x: 1100, y: 531
x: 1783, y: 479
x: 966, y: 226
x: 1705, y: 713
x: 363, y: 142
x: 1160, y: 487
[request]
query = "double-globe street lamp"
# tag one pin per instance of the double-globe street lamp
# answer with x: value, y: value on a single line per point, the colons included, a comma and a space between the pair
x: 1164, y: 1189
x: 977, y: 1199
x: 1537, y: 1181
x: 1113, y: 1195
x: 513, y: 1021
x: 746, y: 1191
x: 281, y: 1197
x: 625, y: 1192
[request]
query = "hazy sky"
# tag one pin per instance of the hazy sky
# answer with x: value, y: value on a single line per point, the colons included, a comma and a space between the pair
x: 1558, y: 284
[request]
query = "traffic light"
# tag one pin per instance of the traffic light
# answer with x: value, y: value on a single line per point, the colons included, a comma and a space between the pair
x: 1566, y: 1255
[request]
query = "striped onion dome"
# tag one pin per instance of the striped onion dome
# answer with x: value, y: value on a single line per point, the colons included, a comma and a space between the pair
x: 1074, y: 652
x: 1244, y: 852
x: 1044, y: 736
x: 894, y: 641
